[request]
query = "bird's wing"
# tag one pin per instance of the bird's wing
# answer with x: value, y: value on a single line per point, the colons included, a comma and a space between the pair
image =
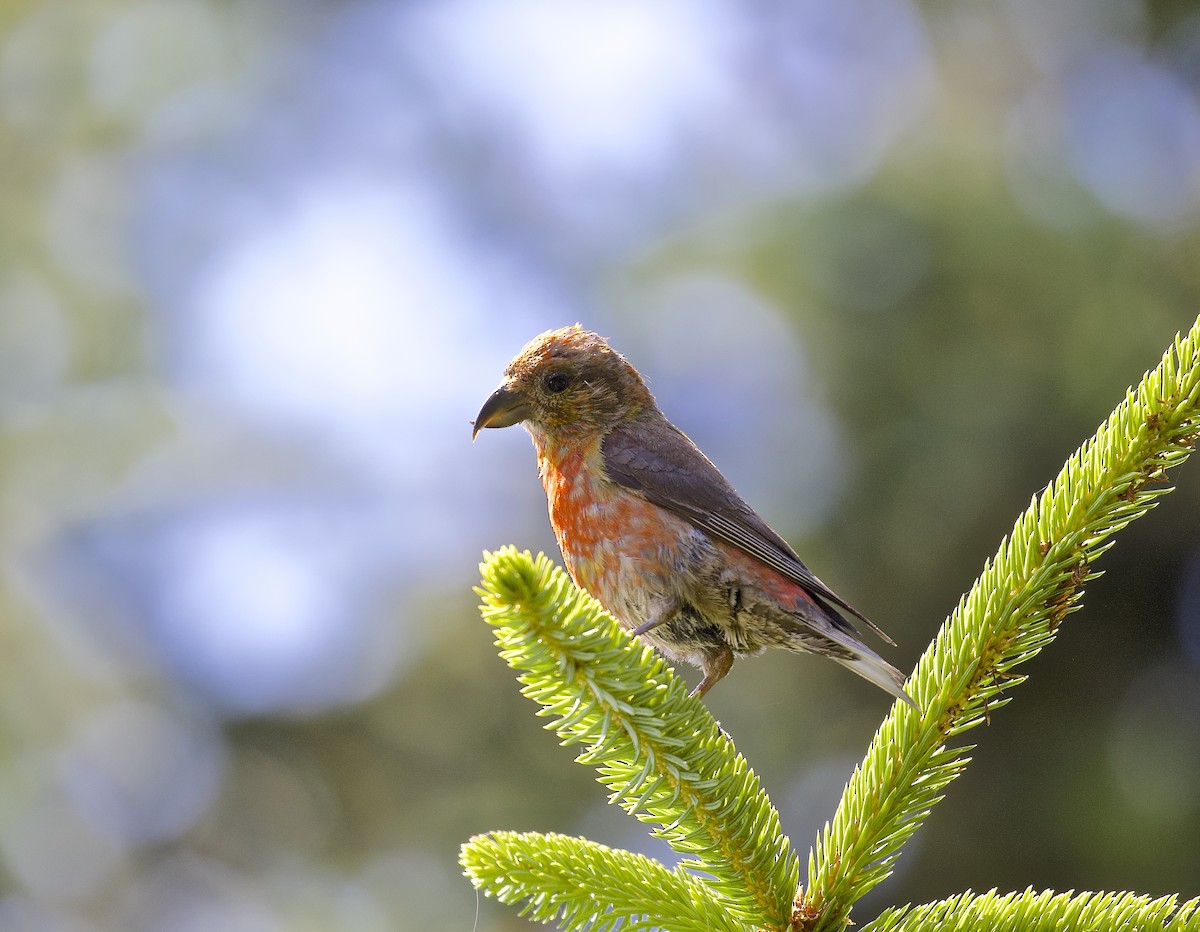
x: 658, y: 460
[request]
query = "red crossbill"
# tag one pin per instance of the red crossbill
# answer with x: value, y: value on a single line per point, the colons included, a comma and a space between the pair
x: 650, y: 527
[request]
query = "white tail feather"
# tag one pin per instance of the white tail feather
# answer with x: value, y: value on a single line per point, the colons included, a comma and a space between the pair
x: 875, y: 669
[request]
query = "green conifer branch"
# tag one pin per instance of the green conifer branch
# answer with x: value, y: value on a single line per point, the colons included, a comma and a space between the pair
x: 1046, y: 911
x: 1011, y: 613
x: 658, y: 750
x: 666, y: 761
x: 581, y: 885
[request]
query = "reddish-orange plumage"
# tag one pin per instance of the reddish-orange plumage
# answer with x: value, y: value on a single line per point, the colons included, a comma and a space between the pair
x: 650, y: 527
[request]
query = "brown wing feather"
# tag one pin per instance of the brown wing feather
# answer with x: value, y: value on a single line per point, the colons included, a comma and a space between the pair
x: 659, y: 461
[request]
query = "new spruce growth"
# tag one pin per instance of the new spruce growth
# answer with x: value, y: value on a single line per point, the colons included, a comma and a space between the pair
x: 667, y: 762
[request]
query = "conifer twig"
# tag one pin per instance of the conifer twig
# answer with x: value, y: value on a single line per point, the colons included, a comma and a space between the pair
x: 656, y: 748
x: 1011, y: 613
x: 1032, y: 911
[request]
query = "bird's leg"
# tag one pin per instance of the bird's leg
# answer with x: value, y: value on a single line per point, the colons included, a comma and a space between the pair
x: 716, y: 664
x: 660, y: 616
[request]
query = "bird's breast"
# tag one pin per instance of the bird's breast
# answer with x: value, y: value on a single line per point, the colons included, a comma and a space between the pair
x: 615, y: 544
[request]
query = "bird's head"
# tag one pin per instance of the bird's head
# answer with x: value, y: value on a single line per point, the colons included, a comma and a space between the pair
x: 565, y: 383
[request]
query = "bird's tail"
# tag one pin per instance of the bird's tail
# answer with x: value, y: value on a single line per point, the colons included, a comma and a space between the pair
x: 873, y: 668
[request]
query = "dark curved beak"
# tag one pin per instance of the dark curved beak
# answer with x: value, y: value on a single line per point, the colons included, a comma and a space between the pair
x: 502, y: 409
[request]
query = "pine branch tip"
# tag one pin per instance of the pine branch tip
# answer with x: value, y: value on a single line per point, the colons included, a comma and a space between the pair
x: 1009, y: 615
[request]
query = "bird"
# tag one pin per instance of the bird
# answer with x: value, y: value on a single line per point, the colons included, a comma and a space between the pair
x: 651, y: 528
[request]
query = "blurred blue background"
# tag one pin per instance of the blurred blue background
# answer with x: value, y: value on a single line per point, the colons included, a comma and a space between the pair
x: 261, y: 261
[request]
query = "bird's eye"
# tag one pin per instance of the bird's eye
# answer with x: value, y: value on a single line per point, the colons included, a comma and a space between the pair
x: 557, y: 382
